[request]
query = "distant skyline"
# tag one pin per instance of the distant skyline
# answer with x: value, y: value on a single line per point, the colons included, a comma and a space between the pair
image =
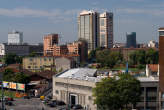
x: 36, y: 18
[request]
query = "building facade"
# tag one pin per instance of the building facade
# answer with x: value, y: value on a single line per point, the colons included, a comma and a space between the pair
x: 15, y: 37
x: 73, y: 87
x: 49, y: 41
x: 161, y: 64
x: 36, y: 64
x: 131, y: 40
x: 88, y: 28
x: 106, y: 30
x: 20, y: 50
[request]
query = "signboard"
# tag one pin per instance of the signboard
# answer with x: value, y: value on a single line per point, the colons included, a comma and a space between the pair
x: 5, y: 84
x: 20, y: 86
x: 13, y: 85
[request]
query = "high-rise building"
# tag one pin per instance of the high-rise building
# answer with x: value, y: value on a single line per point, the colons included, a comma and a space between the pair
x: 88, y: 28
x: 106, y: 30
x: 131, y: 40
x: 49, y: 41
x: 15, y: 37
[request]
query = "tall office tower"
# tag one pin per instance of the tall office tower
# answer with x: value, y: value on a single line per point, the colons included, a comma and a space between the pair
x: 88, y: 28
x: 131, y: 40
x: 15, y: 37
x: 49, y: 41
x: 106, y: 30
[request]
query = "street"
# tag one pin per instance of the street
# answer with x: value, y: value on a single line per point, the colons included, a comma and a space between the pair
x: 28, y: 104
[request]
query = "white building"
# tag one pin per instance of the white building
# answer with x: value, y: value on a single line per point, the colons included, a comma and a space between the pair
x: 15, y: 37
x: 152, y: 44
x: 106, y: 30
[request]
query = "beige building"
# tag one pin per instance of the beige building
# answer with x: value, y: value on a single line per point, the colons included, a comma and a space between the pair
x: 36, y: 64
x: 75, y: 87
x: 106, y: 30
x: 63, y: 63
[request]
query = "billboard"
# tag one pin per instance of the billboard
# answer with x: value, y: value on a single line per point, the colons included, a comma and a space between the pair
x: 13, y: 85
x: 6, y: 84
x: 20, y: 86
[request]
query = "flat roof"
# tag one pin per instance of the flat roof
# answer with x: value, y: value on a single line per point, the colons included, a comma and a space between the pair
x: 148, y: 79
x: 80, y: 74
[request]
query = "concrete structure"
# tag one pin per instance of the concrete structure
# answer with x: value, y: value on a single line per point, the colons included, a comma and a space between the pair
x: 20, y: 50
x: 131, y: 40
x: 153, y: 44
x: 150, y: 94
x: 75, y: 87
x: 64, y: 63
x: 88, y: 28
x: 49, y: 41
x: 106, y: 30
x: 36, y: 64
x: 15, y: 37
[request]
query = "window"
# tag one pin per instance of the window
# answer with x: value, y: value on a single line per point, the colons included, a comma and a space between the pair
x: 102, y: 30
x: 29, y: 67
x: 102, y: 22
x: 45, y: 59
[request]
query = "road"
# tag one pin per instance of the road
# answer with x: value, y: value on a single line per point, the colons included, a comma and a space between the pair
x: 28, y: 104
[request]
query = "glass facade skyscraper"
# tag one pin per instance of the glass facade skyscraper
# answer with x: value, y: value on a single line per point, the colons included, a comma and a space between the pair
x: 131, y: 40
x: 88, y: 25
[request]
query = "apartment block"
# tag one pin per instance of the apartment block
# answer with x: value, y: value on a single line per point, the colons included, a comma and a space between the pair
x: 49, y: 41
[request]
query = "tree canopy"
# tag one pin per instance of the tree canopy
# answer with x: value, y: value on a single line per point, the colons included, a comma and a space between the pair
x: 12, y: 58
x: 114, y: 94
x: 9, y: 75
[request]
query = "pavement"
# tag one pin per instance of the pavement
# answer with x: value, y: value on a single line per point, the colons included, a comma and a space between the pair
x: 29, y: 104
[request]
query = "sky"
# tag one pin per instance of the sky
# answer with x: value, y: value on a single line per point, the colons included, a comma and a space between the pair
x: 36, y: 18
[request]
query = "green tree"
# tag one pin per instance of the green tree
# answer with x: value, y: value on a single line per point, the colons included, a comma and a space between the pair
x: 8, y: 75
x: 114, y: 94
x: 10, y: 58
x: 21, y: 78
x: 152, y: 56
x: 33, y: 54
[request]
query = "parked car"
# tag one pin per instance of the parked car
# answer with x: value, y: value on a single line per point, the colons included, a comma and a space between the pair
x: 75, y: 107
x: 60, y: 103
x: 26, y: 97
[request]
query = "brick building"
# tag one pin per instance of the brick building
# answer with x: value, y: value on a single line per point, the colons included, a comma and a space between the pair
x: 49, y: 41
x: 77, y: 48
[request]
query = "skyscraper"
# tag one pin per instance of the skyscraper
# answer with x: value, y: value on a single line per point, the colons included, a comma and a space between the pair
x: 88, y: 28
x: 15, y: 37
x: 131, y: 40
x: 106, y: 30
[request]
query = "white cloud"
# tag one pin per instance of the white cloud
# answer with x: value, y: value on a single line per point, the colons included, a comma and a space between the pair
x: 153, y: 12
x: 57, y: 14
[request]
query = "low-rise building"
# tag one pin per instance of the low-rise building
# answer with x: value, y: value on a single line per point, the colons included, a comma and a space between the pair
x: 57, y: 63
x: 20, y: 50
x: 74, y: 86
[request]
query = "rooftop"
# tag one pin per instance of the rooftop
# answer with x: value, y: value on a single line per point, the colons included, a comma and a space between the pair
x: 148, y: 79
x: 80, y: 74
